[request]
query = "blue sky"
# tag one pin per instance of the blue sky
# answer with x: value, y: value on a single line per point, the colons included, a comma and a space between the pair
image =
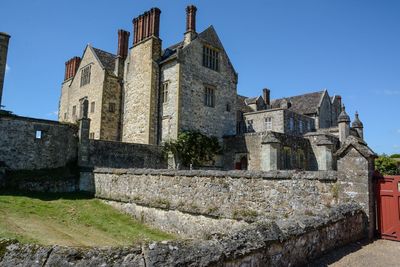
x: 350, y: 47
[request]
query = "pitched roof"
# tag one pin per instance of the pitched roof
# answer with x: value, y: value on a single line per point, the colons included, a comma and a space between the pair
x: 170, y: 51
x: 303, y: 104
x: 241, y: 104
x: 358, y: 144
x: 106, y: 58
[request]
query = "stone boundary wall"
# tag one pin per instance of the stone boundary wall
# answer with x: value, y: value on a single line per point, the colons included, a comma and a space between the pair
x: 239, y: 195
x: 113, y: 154
x: 21, y: 150
x: 292, y: 242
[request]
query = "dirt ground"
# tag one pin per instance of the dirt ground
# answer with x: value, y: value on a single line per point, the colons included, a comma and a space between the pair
x: 377, y: 253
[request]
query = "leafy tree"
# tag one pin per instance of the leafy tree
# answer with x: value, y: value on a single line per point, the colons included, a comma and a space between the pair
x: 193, y: 147
x: 395, y: 156
x: 386, y: 165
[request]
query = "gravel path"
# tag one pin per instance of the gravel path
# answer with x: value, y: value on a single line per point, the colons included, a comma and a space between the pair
x: 380, y: 252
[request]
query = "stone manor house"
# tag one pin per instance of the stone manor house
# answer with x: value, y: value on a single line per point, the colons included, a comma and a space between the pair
x: 146, y: 94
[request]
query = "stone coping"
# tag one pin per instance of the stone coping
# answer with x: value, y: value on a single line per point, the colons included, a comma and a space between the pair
x: 37, y: 120
x: 268, y: 175
x: 123, y: 143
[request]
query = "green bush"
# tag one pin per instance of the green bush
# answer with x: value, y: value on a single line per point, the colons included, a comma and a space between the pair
x: 395, y: 156
x: 193, y: 147
x: 386, y: 165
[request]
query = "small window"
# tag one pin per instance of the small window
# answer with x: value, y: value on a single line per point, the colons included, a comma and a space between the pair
x: 287, y: 156
x: 209, y: 96
x: 111, y: 107
x: 228, y: 107
x: 291, y: 124
x: 301, y: 127
x: 210, y: 58
x: 164, y: 93
x: 92, y: 107
x: 268, y: 123
x: 250, y: 126
x: 91, y: 135
x: 85, y: 75
x: 74, y: 111
x: 38, y: 134
x: 65, y: 115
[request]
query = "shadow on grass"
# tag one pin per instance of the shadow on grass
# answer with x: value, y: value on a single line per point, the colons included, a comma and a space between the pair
x: 338, y: 253
x: 48, y: 196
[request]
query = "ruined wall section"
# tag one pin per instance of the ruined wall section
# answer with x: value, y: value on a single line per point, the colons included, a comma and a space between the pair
x: 20, y: 149
x: 141, y: 92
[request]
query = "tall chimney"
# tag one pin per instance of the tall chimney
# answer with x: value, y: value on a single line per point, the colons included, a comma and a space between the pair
x: 266, y: 96
x: 146, y: 25
x: 4, y: 40
x: 122, y: 52
x: 71, y: 67
x: 190, y: 33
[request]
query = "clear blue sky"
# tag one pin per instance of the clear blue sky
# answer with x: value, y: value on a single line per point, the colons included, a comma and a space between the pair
x: 350, y: 47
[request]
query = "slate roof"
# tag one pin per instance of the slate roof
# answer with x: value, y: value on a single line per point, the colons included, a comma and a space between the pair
x: 303, y: 104
x: 241, y: 104
x: 170, y: 51
x: 106, y: 58
x: 358, y: 144
x: 251, y: 100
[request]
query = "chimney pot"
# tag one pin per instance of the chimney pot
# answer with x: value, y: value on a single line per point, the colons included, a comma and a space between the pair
x: 267, y: 96
x: 123, y: 40
x: 191, y: 18
x: 146, y: 25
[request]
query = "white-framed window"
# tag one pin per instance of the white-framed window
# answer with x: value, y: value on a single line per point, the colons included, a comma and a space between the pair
x: 38, y: 134
x: 291, y: 124
x: 85, y: 75
x: 210, y: 58
x: 209, y: 96
x: 164, y: 92
x: 268, y: 123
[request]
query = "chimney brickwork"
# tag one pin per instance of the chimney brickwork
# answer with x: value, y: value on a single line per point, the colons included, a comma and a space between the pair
x: 190, y: 33
x: 71, y: 67
x: 146, y: 25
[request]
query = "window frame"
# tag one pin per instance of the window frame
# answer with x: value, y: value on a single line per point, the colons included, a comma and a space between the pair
x: 268, y: 123
x: 210, y: 57
x: 85, y: 75
x: 92, y: 107
x: 165, y: 92
x: 209, y: 96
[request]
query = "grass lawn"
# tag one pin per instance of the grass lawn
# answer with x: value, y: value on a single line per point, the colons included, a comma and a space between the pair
x: 70, y: 220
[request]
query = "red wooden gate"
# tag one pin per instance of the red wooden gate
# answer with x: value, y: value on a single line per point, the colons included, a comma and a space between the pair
x: 388, y: 204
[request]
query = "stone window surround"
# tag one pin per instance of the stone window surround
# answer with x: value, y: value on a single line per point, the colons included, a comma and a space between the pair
x: 164, y: 92
x: 209, y: 95
x: 210, y: 57
x: 85, y: 74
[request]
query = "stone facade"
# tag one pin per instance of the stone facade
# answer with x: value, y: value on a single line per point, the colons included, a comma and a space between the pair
x: 4, y: 39
x: 28, y: 144
x: 101, y: 91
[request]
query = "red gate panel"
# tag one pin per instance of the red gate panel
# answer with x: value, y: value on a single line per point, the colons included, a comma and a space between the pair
x: 388, y: 203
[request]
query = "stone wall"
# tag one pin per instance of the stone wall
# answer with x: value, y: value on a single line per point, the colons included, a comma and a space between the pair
x: 20, y: 149
x: 250, y: 144
x: 125, y: 155
x: 232, y: 195
x: 141, y: 92
x: 291, y: 242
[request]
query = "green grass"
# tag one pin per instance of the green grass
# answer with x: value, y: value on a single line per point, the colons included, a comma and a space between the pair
x: 71, y: 220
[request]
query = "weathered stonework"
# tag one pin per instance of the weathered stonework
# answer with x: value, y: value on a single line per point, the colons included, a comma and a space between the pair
x: 20, y: 149
x: 292, y: 242
x: 141, y: 92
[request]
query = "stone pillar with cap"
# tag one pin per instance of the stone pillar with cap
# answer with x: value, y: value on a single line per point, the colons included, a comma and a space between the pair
x: 358, y: 126
x: 324, y: 154
x: 344, y: 125
x: 270, y: 152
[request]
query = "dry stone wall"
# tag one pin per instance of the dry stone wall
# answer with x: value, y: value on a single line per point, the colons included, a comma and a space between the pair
x: 243, y: 195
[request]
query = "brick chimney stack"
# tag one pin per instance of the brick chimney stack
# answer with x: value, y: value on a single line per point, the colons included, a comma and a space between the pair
x: 146, y: 25
x: 122, y: 52
x: 71, y: 67
x: 190, y: 33
x: 267, y: 96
